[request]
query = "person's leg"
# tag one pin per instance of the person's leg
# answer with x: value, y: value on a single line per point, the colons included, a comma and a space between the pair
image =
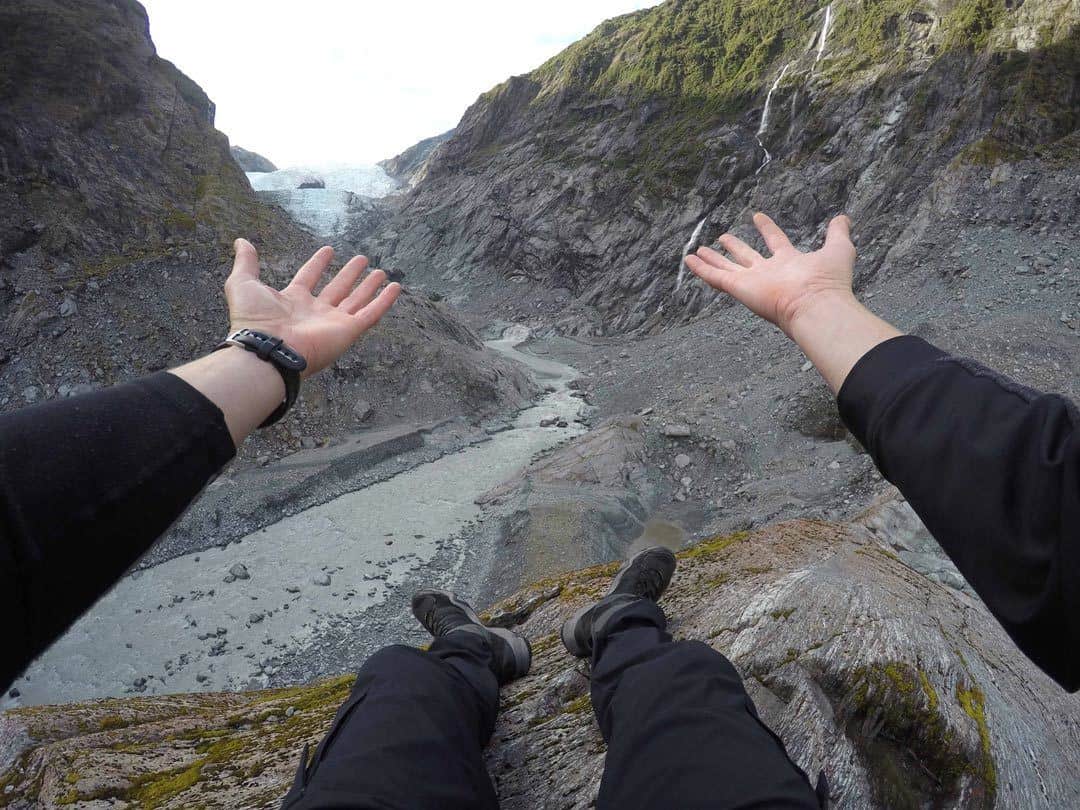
x: 412, y: 732
x: 680, y: 728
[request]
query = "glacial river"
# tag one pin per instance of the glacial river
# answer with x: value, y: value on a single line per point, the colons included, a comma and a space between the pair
x: 179, y: 627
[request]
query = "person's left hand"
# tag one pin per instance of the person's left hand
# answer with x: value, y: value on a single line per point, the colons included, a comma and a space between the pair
x: 320, y: 327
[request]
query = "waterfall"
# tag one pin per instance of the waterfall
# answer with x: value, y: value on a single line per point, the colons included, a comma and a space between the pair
x: 686, y: 252
x: 765, y: 116
x: 824, y: 36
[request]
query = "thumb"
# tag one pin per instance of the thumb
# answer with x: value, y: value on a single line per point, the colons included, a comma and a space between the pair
x: 246, y: 261
x: 839, y: 232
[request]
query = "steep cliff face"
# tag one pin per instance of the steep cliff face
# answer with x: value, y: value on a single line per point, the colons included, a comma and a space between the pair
x: 251, y: 161
x: 583, y: 180
x: 104, y: 146
x: 119, y: 202
x: 904, y: 692
x: 411, y: 166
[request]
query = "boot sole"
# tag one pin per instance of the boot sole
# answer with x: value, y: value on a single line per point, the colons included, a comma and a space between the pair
x: 569, y: 638
x: 617, y: 579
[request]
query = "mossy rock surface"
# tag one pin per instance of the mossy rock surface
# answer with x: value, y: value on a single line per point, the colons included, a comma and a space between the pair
x: 905, y: 693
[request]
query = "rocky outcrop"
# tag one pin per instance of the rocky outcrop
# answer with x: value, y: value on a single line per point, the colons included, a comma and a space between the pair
x: 251, y: 161
x: 905, y: 692
x: 108, y: 152
x: 411, y: 166
x: 581, y: 504
x: 581, y: 181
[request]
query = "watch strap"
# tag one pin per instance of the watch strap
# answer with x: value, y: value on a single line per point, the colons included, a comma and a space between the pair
x: 275, y: 351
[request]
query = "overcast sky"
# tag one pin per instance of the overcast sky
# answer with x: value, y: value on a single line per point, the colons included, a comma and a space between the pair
x: 337, y: 81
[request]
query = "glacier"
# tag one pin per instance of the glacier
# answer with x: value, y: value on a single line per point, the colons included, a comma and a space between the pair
x: 323, y: 211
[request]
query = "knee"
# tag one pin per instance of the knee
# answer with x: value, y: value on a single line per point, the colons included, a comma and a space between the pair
x: 396, y: 659
x: 687, y: 661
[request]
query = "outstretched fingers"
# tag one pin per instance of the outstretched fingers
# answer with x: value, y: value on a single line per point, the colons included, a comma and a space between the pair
x: 773, y: 234
x: 743, y: 253
x: 334, y: 292
x: 718, y: 276
x: 716, y: 259
x: 308, y: 276
x: 839, y: 230
x: 245, y: 263
x: 372, y: 313
x: 364, y: 293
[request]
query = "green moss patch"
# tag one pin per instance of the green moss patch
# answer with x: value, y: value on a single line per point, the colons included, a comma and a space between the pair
x: 713, y: 546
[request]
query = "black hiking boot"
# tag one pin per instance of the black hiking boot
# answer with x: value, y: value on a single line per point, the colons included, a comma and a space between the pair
x: 644, y: 576
x: 443, y: 612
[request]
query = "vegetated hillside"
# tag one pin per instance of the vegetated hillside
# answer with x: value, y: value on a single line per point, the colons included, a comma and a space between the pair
x: 119, y: 203
x: 582, y: 180
x: 903, y: 691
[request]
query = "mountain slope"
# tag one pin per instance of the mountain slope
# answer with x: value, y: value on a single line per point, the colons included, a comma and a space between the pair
x: 582, y: 180
x: 119, y: 202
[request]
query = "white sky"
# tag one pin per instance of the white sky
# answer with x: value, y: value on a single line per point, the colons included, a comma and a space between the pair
x: 355, y: 81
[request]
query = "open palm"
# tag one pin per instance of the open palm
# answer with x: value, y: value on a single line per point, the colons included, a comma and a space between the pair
x: 780, y: 287
x: 320, y: 327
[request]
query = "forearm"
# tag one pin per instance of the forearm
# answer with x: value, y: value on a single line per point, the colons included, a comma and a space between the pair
x: 86, y: 486
x: 993, y: 470
x: 243, y: 387
x: 835, y: 331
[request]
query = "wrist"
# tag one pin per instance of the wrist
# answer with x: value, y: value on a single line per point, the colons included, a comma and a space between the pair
x: 835, y: 331
x: 245, y: 388
x: 817, y: 309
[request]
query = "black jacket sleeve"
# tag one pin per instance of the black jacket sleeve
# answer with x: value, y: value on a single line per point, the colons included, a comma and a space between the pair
x: 993, y: 470
x: 86, y: 486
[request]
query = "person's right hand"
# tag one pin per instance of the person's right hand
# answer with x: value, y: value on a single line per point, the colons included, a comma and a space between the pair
x: 788, y: 283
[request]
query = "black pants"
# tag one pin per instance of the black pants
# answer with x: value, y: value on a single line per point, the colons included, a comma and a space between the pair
x: 681, y: 730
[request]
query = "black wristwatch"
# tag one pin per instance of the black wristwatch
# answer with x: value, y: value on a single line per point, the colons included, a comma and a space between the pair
x: 273, y: 350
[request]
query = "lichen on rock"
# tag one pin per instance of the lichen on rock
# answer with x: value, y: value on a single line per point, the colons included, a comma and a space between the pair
x: 905, y: 692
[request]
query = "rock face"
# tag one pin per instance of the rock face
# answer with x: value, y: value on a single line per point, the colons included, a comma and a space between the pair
x: 251, y: 161
x: 584, y: 503
x: 905, y: 692
x: 108, y: 152
x: 119, y: 203
x: 411, y: 166
x: 587, y: 176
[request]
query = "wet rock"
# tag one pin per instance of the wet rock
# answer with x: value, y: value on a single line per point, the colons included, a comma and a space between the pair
x: 677, y: 431
x: 363, y: 410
